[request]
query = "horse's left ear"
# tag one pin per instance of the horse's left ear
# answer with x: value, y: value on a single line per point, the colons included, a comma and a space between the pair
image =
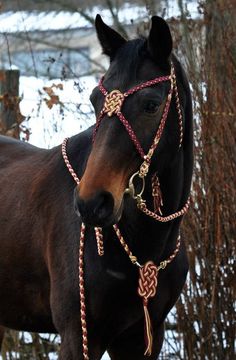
x: 109, y: 39
x: 159, y: 41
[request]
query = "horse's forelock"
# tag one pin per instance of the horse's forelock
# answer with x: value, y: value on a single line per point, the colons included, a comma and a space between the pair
x: 128, y: 60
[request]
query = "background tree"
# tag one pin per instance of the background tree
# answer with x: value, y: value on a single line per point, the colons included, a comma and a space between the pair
x: 205, y: 312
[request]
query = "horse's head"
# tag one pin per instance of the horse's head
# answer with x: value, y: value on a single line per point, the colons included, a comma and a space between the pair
x: 127, y: 119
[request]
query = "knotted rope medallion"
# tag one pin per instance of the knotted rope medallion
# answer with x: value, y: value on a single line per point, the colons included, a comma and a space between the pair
x: 147, y: 289
x: 113, y: 102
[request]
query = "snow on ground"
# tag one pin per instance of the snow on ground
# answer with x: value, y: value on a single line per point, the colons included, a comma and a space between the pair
x: 50, y: 126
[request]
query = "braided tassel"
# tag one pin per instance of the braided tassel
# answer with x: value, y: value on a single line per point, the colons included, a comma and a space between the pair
x: 148, y: 330
x: 157, y: 195
x: 147, y: 289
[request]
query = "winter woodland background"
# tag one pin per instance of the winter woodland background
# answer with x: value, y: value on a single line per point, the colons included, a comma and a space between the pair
x: 52, y: 44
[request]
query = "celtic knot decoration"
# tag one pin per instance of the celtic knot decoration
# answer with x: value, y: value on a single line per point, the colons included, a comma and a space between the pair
x: 147, y: 281
x: 147, y: 289
x: 113, y: 102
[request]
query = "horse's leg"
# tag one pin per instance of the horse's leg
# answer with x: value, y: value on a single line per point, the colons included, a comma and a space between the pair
x: 130, y: 345
x: 66, y: 317
x: 2, y: 331
x: 71, y: 345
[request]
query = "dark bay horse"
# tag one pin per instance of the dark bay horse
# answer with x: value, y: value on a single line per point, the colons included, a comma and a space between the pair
x: 40, y: 230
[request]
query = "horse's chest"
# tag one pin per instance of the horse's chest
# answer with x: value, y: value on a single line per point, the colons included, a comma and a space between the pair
x: 28, y: 298
x: 113, y: 299
x: 24, y: 282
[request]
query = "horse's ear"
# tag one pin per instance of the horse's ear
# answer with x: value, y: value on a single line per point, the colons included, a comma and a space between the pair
x: 159, y: 41
x: 109, y: 39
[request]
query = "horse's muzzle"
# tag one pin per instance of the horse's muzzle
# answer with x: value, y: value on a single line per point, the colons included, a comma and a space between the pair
x: 97, y: 210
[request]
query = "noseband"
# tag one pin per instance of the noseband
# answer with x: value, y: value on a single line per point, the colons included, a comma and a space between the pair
x: 148, y: 272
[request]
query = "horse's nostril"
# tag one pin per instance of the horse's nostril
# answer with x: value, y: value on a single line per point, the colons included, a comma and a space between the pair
x: 96, y: 211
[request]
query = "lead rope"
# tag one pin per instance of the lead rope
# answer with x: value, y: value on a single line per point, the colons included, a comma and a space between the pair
x: 99, y: 238
x: 82, y: 294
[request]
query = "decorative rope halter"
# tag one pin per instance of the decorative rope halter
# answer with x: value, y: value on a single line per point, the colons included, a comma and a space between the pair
x: 148, y: 273
x: 115, y: 99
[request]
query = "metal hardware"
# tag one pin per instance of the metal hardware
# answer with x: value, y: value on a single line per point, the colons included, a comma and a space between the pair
x: 131, y: 189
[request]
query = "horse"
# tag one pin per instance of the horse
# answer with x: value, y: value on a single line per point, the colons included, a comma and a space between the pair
x: 89, y: 241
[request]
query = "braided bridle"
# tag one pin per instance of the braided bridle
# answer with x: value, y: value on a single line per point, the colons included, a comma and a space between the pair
x: 113, y: 103
x: 148, y: 273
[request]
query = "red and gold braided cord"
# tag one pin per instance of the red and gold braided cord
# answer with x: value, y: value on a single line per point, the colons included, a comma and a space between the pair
x: 143, y: 207
x: 179, y: 111
x: 82, y: 294
x: 132, y: 135
x: 67, y: 162
x: 99, y: 238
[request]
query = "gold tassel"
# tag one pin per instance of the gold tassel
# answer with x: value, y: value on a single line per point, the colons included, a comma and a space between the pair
x: 148, y: 330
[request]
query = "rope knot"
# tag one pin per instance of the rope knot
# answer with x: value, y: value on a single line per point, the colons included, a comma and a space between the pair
x: 147, y: 289
x: 147, y: 280
x: 113, y: 102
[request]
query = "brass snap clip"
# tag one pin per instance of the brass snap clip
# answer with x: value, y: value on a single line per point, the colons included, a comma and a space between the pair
x: 131, y: 188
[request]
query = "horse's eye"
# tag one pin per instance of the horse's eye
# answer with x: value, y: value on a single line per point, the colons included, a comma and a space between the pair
x: 151, y: 107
